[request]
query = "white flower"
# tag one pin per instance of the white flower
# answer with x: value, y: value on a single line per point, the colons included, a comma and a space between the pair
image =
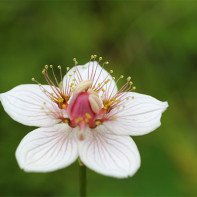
x: 84, y: 116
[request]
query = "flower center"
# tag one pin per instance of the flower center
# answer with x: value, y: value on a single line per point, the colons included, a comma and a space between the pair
x: 84, y: 106
x: 86, y: 97
x: 80, y: 111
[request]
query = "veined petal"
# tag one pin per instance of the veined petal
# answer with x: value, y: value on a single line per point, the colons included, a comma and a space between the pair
x: 92, y: 71
x: 47, y: 149
x: 28, y: 105
x: 140, y: 115
x: 110, y: 155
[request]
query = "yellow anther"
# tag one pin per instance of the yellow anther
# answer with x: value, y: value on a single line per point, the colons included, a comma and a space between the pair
x: 123, y: 106
x: 71, y: 84
x: 106, y: 62
x: 44, y: 91
x: 74, y: 59
x: 121, y: 76
x: 70, y: 75
x: 118, y: 101
x: 83, y: 122
x: 92, y: 56
x: 113, y: 118
x: 128, y: 78
x: 105, y: 107
x: 60, y: 100
x: 67, y: 68
x: 127, y: 98
x: 100, y: 58
x: 111, y: 71
x: 66, y: 121
x: 113, y: 78
x: 52, y: 98
x: 103, y: 89
x: 39, y: 85
x: 80, y: 118
x: 63, y: 106
x: 46, y: 66
x: 114, y: 100
x: 76, y: 62
x: 97, y: 122
x: 51, y: 66
x: 134, y: 88
x: 42, y: 108
x: 43, y: 71
x: 74, y: 71
x: 33, y: 79
x: 131, y: 83
x: 95, y: 56
x: 56, y: 117
x: 106, y: 82
x: 59, y: 67
x: 44, y: 103
x: 51, y: 94
x: 132, y: 97
x: 47, y: 114
x: 88, y: 115
x: 109, y: 103
x: 86, y: 120
x: 99, y: 84
x: 74, y: 79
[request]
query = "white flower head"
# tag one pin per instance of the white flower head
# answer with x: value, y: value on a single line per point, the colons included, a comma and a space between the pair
x: 85, y: 116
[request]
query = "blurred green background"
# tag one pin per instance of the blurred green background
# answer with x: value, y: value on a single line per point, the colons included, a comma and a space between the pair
x: 153, y: 41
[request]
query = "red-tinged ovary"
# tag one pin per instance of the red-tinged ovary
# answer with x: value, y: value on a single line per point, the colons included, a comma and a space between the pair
x: 80, y: 110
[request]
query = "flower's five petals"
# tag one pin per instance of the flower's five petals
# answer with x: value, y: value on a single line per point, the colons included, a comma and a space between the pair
x: 139, y: 115
x: 28, y: 105
x: 111, y: 155
x: 47, y: 149
x: 84, y: 115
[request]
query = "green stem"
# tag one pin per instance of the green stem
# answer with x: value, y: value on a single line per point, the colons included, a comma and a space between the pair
x: 82, y: 180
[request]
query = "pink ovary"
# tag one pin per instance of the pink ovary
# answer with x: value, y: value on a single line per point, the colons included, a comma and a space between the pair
x: 80, y: 111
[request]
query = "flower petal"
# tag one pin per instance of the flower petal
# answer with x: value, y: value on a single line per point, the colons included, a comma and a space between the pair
x: 139, y: 115
x: 47, y: 149
x: 28, y: 105
x: 110, y: 155
x: 92, y: 71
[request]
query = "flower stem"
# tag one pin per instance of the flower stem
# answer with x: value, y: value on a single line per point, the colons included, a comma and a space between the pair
x: 82, y: 179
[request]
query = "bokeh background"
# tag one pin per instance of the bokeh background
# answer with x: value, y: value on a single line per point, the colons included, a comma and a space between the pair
x: 153, y: 41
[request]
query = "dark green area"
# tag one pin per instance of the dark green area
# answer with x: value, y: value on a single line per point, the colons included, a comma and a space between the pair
x: 153, y: 41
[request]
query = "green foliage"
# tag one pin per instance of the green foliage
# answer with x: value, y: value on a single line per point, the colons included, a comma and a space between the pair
x: 153, y: 41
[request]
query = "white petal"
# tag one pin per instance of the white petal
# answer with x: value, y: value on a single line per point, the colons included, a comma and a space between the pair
x: 141, y: 115
x: 24, y: 103
x: 47, y: 149
x: 98, y: 74
x: 110, y: 155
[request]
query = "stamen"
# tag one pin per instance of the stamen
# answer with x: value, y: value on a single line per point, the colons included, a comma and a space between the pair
x: 94, y: 106
x: 78, y: 73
